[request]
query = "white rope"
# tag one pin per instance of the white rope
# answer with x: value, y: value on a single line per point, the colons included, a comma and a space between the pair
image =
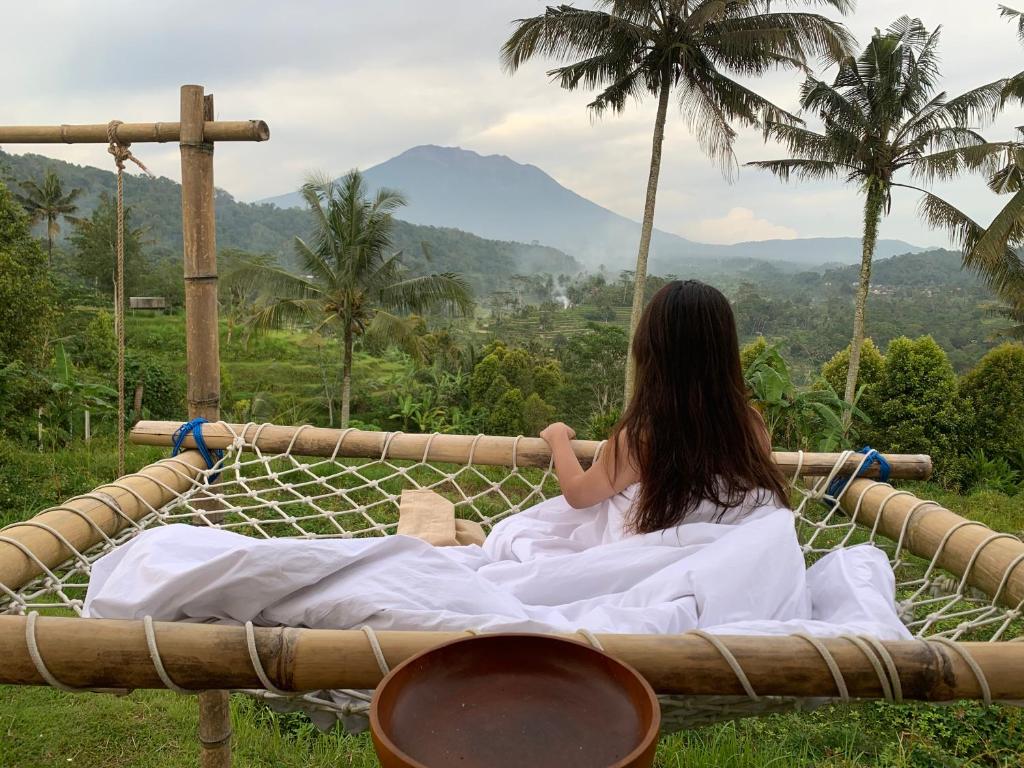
x: 154, y: 656
x: 37, y: 659
x: 979, y: 674
x: 727, y: 655
x: 378, y: 654
x: 257, y: 664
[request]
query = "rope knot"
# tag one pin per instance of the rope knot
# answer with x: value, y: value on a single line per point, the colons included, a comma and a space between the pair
x: 120, y: 150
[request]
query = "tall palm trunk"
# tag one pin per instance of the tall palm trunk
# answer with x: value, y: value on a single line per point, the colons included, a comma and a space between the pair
x: 647, y: 228
x: 346, y: 376
x: 872, y: 215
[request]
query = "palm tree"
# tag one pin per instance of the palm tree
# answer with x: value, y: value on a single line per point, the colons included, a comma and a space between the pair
x: 47, y: 202
x: 995, y: 244
x: 352, y: 284
x: 633, y: 48
x: 882, y: 116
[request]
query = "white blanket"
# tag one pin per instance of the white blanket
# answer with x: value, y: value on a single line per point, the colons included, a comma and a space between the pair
x: 548, y: 569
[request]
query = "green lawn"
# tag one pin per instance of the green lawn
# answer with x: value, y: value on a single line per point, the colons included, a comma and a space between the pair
x: 149, y: 729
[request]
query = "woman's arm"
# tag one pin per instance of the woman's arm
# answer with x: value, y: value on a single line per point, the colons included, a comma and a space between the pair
x: 586, y: 488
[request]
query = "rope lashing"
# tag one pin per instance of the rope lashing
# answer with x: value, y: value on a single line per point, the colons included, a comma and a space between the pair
x: 194, y: 427
x: 871, y: 459
x: 121, y: 154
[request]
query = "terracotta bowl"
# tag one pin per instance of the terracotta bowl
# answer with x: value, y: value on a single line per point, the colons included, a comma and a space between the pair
x: 514, y: 700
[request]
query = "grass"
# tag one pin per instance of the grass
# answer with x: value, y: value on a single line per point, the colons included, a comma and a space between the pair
x: 42, y: 727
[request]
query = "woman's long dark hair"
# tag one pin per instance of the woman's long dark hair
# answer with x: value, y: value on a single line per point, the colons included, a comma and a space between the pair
x: 690, y: 429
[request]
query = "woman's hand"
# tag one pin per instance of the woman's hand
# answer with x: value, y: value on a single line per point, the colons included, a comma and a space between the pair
x: 556, y: 432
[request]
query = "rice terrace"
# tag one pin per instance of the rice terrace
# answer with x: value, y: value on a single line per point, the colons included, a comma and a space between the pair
x: 610, y: 383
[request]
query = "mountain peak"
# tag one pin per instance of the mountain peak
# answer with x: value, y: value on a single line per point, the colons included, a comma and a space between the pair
x: 495, y: 197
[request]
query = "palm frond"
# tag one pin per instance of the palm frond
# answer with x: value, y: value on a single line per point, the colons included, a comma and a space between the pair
x: 987, y: 253
x: 1009, y: 13
x: 274, y: 313
x: 418, y: 294
x: 742, y: 43
x: 386, y: 329
x: 802, y: 169
x: 977, y: 156
x: 564, y: 32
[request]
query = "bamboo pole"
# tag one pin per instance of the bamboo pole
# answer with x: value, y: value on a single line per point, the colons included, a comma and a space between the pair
x: 456, y: 449
x: 83, y: 521
x: 200, y: 242
x: 213, y: 130
x: 998, y: 558
x: 114, y: 654
x: 202, y: 342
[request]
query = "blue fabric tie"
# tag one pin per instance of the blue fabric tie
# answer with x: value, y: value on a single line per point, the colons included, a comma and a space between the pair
x: 194, y: 427
x: 873, y: 458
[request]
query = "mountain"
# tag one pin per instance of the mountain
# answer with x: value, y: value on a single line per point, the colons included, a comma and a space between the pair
x: 261, y: 228
x: 493, y: 196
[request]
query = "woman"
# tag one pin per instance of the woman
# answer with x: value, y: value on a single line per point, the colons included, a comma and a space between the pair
x: 689, y: 445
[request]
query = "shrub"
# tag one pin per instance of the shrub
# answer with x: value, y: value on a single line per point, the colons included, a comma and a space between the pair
x: 752, y: 351
x: 994, y: 392
x: 871, y: 361
x: 917, y: 407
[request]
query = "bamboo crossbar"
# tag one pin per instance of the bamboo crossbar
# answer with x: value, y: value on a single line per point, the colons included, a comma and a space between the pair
x: 459, y: 449
x: 114, y: 654
x: 57, y: 534
x: 213, y: 130
x: 993, y: 562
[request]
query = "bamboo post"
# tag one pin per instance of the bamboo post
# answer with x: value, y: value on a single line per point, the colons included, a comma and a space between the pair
x: 993, y: 562
x: 114, y: 654
x: 457, y: 449
x: 84, y: 521
x: 202, y: 342
x: 200, y: 240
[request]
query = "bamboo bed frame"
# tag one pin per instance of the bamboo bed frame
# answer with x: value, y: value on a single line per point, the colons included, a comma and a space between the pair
x: 211, y: 659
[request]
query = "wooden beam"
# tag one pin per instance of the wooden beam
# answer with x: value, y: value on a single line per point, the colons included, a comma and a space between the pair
x: 83, y: 521
x: 456, y: 449
x: 99, y: 653
x: 925, y: 526
x: 133, y: 133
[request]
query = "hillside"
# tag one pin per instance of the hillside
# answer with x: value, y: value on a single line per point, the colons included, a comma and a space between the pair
x: 494, y: 196
x: 264, y: 228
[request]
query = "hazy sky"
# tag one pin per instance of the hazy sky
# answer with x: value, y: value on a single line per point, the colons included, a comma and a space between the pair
x: 346, y: 83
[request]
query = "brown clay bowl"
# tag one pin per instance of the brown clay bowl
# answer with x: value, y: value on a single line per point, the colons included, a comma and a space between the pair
x: 497, y: 701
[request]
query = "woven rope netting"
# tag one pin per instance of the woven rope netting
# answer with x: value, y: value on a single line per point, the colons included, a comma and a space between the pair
x: 262, y: 494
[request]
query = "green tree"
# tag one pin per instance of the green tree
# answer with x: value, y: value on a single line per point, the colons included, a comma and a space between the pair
x: 633, y: 48
x: 95, y: 249
x: 918, y: 407
x: 355, y: 284
x: 47, y: 202
x: 834, y: 371
x: 994, y: 392
x: 27, y: 303
x: 594, y: 362
x: 883, y: 116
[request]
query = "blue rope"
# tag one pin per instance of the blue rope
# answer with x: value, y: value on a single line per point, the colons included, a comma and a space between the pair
x: 836, y: 487
x: 194, y: 427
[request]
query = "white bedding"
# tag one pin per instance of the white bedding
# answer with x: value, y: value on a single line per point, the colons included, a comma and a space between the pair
x: 549, y: 568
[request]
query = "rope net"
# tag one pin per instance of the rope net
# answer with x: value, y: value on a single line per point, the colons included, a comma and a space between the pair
x: 256, y: 493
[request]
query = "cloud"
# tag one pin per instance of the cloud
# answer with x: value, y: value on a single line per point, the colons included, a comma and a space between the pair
x: 737, y: 226
x: 346, y: 84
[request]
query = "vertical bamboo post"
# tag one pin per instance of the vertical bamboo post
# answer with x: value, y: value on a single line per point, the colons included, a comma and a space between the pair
x: 198, y: 231
x: 202, y: 343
